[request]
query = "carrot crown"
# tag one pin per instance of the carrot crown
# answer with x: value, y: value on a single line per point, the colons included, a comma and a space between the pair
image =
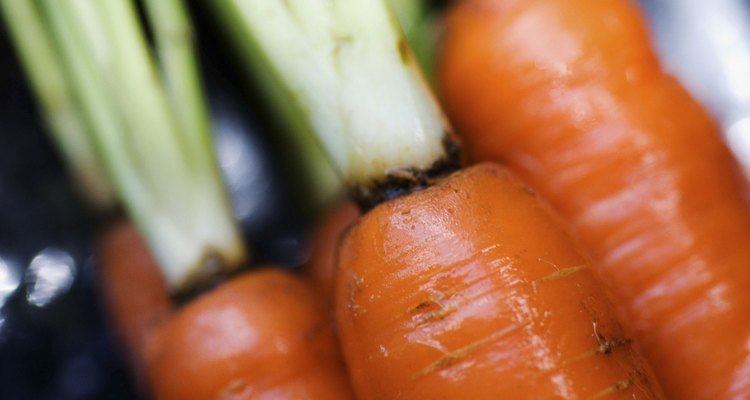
x: 344, y: 69
x: 148, y: 127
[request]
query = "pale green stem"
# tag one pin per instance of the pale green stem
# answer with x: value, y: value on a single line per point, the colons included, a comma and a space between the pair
x: 409, y: 13
x: 303, y: 144
x: 421, y: 26
x: 42, y: 65
x: 345, y: 70
x: 159, y: 172
x: 179, y: 70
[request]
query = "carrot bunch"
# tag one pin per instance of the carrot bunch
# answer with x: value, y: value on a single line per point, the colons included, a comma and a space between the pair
x: 453, y: 283
x: 136, y: 116
x: 571, y: 96
x: 263, y: 334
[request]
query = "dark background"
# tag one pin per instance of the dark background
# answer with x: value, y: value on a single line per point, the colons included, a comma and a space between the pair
x: 64, y: 350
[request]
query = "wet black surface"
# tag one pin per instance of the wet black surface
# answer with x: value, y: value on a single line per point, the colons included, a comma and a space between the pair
x: 63, y: 350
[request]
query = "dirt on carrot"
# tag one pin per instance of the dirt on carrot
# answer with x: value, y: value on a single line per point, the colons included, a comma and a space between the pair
x: 473, y: 289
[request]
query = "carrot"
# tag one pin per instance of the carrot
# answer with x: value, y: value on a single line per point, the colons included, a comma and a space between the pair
x: 264, y: 334
x: 455, y: 285
x: 141, y: 112
x: 570, y: 95
x: 320, y: 266
x: 134, y: 292
x: 445, y: 294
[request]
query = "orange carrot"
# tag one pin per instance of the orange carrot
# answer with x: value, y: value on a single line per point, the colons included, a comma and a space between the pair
x: 133, y: 290
x: 569, y: 93
x: 261, y: 335
x: 472, y: 289
x: 320, y: 267
x: 455, y: 285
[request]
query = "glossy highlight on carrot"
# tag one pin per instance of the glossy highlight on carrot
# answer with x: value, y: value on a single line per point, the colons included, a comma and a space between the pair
x: 473, y: 289
x: 262, y: 335
x: 570, y: 95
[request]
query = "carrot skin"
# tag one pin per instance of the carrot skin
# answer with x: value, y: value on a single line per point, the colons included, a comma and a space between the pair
x: 570, y: 95
x: 472, y: 289
x: 265, y: 334
x: 134, y: 292
x: 261, y: 335
x: 321, y: 265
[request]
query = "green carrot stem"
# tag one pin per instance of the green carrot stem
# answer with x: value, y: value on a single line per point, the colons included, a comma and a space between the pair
x: 343, y: 71
x: 42, y: 65
x: 164, y: 173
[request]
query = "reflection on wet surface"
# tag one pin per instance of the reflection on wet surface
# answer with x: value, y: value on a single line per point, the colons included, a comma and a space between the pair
x: 241, y: 163
x: 706, y: 44
x: 49, y: 275
x: 10, y: 279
